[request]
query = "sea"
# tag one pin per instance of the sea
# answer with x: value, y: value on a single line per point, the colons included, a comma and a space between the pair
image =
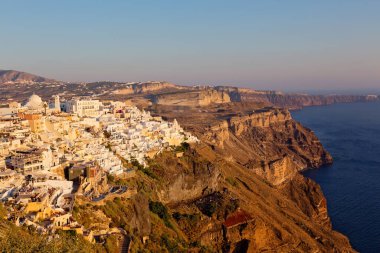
x: 351, y: 133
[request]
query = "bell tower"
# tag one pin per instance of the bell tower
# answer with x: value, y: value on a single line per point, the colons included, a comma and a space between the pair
x: 57, y: 103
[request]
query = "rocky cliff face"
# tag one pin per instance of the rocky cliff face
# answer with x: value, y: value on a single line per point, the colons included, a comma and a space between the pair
x: 297, y: 101
x: 290, y: 217
x: 193, y: 98
x: 270, y: 143
x: 309, y: 198
x: 185, y: 179
x: 150, y: 87
x: 291, y: 100
x: 237, y: 125
x: 278, y: 171
x: 264, y: 118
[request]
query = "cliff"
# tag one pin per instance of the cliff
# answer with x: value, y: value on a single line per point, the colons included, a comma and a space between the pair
x: 309, y: 198
x: 192, y: 98
x: 184, y: 179
x: 149, y: 87
x: 290, y: 100
x: 270, y: 143
x: 296, y: 101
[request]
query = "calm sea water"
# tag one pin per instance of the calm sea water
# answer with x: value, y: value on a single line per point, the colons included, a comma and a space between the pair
x: 351, y: 133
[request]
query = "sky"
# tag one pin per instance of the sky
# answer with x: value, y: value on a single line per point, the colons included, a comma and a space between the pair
x: 267, y: 44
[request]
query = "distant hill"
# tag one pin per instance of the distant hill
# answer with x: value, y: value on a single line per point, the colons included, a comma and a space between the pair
x: 13, y: 76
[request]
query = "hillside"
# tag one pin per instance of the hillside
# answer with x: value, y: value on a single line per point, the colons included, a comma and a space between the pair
x: 13, y: 76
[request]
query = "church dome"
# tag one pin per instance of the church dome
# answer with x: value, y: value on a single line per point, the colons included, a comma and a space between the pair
x: 34, y: 102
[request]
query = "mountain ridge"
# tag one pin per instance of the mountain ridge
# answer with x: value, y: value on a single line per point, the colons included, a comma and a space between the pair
x: 14, y: 76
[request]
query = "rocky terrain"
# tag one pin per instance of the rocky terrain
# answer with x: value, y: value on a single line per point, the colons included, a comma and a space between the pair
x: 192, y: 98
x: 140, y: 88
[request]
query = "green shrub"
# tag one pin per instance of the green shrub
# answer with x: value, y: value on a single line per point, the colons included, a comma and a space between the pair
x: 162, y: 212
x: 183, y: 147
x: 149, y: 173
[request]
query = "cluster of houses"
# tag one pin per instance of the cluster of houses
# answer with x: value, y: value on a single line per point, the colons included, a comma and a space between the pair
x: 50, y: 153
x: 136, y: 135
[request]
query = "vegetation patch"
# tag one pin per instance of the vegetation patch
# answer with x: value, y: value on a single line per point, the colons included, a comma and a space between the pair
x: 112, y: 180
x: 145, y: 170
x: 217, y: 204
x: 183, y: 147
x: 149, y: 173
x: 117, y: 210
x: 162, y: 212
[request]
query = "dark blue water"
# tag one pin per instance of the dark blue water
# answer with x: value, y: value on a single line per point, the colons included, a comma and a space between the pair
x: 351, y: 133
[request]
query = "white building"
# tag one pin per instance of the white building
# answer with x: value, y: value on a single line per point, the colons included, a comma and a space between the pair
x: 84, y: 108
x: 56, y: 104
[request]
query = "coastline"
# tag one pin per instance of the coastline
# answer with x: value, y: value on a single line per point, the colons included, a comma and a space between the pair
x: 352, y: 139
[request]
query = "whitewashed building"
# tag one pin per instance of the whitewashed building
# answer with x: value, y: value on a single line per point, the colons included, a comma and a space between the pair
x: 84, y: 108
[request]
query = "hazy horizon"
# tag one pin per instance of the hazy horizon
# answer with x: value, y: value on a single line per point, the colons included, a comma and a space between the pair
x: 302, y: 46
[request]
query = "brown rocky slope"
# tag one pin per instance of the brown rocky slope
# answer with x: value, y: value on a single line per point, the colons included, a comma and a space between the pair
x: 288, y: 218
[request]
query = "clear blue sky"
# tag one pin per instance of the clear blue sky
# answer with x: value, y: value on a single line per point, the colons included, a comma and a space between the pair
x: 292, y: 44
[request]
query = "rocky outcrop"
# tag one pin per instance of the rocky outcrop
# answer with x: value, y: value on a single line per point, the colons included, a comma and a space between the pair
x: 193, y: 98
x: 309, y: 198
x: 185, y: 179
x: 237, y: 125
x: 149, y: 87
x: 264, y: 118
x: 138, y: 218
x: 278, y: 171
x: 270, y: 143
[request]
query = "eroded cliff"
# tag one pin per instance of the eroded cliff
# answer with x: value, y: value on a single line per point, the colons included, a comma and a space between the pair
x: 149, y: 87
x: 202, y: 97
x: 270, y: 143
x: 297, y: 101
